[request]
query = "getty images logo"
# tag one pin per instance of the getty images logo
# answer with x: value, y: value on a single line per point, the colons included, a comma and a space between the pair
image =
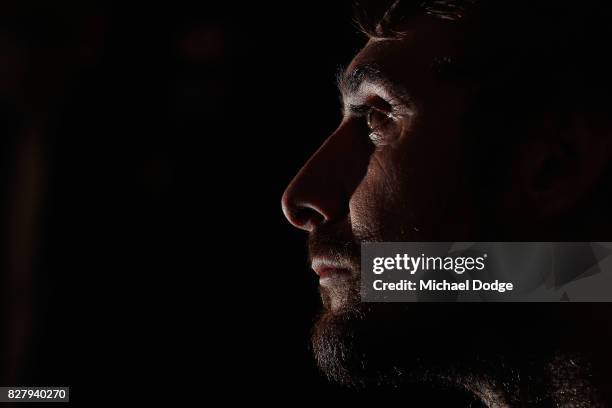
x: 412, y: 264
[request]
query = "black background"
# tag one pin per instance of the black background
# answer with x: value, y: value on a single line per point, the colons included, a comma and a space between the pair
x: 161, y: 264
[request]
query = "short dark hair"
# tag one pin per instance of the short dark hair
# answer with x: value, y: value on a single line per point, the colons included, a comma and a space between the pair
x: 549, y: 45
x: 523, y: 58
x: 382, y: 19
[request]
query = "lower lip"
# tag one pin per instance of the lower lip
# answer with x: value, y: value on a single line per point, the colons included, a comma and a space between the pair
x: 329, y: 275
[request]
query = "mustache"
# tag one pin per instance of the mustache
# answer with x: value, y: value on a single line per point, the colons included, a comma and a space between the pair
x: 335, y: 242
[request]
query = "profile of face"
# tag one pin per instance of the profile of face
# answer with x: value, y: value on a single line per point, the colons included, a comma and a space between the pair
x: 394, y: 169
x: 400, y: 167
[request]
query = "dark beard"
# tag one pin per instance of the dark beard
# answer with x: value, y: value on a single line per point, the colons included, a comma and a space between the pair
x: 373, y: 344
x: 363, y: 344
x: 388, y: 346
x: 506, y: 353
x: 379, y: 345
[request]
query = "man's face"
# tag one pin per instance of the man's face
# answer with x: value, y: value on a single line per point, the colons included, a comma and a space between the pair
x: 397, y: 169
x: 394, y: 168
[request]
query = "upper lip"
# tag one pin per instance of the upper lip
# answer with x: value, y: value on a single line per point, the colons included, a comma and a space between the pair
x: 324, y: 267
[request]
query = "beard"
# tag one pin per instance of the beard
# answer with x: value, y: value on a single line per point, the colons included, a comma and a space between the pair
x: 504, y: 353
x: 375, y: 344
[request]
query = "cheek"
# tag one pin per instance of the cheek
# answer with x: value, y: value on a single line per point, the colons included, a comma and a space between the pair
x: 407, y: 194
x: 380, y: 208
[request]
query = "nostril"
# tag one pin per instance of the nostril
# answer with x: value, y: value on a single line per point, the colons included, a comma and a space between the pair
x: 307, y: 218
x: 301, y: 215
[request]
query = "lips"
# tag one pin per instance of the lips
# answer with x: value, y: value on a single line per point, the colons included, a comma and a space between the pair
x: 328, y: 271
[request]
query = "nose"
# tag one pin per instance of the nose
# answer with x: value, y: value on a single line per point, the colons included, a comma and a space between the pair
x: 322, y: 189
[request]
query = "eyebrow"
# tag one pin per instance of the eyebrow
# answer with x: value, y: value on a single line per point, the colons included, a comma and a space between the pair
x: 349, y: 81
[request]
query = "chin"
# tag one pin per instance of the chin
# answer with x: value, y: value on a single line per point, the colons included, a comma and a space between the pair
x: 364, y: 345
x: 354, y: 345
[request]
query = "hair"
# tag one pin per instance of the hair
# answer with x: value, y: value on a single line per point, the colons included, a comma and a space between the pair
x: 522, y: 59
x: 382, y: 19
x: 560, y: 47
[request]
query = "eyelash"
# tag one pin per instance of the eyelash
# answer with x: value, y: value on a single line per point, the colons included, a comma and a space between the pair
x: 362, y: 112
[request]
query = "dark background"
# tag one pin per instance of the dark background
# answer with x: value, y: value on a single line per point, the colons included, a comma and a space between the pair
x: 145, y: 149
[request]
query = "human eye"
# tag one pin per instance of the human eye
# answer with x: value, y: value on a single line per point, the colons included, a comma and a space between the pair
x: 384, y: 126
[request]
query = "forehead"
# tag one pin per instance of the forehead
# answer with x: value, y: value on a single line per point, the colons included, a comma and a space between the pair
x: 425, y: 40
